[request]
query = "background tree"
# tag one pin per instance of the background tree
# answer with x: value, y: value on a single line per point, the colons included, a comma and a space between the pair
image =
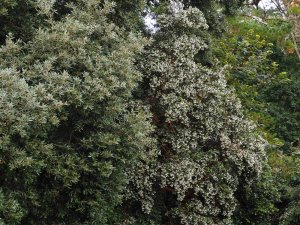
x: 263, y: 63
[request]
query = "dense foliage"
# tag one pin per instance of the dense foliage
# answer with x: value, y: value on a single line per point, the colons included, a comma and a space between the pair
x: 103, y: 122
x: 206, y: 147
x: 69, y: 125
x: 264, y: 71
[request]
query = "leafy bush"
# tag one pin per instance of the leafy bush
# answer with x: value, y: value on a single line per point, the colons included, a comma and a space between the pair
x: 69, y: 126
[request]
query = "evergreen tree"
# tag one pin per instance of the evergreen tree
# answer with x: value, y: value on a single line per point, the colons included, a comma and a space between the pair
x: 21, y: 17
x: 206, y: 147
x: 214, y: 10
x: 69, y: 127
x: 18, y: 17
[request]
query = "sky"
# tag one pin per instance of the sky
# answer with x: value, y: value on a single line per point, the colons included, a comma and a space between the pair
x: 267, y: 4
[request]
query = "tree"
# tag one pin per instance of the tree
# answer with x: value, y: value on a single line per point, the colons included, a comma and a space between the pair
x: 21, y: 17
x: 213, y: 10
x: 206, y: 147
x: 263, y: 62
x: 69, y: 125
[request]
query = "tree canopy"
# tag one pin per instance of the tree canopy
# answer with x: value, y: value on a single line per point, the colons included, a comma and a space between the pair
x: 105, y: 122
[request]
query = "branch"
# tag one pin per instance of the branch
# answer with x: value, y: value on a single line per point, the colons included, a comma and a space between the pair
x: 279, y: 5
x: 256, y: 18
x: 295, y: 44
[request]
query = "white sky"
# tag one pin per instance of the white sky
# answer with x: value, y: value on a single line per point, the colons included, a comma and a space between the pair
x: 267, y: 4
